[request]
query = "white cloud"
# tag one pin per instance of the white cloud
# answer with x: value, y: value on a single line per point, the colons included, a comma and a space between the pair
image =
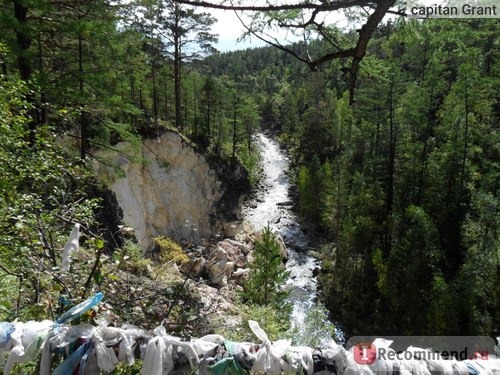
x: 229, y: 29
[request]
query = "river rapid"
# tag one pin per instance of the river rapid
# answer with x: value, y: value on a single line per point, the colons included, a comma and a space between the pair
x: 273, y: 204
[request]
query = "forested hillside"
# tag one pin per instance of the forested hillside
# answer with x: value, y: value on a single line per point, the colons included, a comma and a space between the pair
x: 402, y: 185
x: 76, y: 79
x: 394, y: 153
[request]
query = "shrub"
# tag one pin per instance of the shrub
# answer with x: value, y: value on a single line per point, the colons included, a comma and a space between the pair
x: 169, y: 251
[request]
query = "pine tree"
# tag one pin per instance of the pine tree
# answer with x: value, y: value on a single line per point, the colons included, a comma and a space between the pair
x: 184, y: 28
x: 267, y: 273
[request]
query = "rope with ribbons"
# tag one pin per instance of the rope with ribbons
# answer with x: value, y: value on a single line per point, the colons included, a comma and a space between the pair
x: 88, y: 349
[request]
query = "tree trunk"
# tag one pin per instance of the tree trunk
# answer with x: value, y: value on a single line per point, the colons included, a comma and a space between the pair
x: 423, y: 155
x: 177, y: 68
x: 83, y: 122
x: 209, y: 99
x: 132, y: 89
x: 155, y: 92
x: 234, y: 126
x: 165, y: 89
x: 43, y: 97
x: 23, y: 41
x: 466, y: 132
x: 390, y: 174
x: 392, y: 154
x: 195, y: 105
x: 186, y: 122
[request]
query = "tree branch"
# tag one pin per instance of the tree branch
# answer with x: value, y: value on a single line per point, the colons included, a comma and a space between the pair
x: 364, y: 37
x: 328, y: 7
x: 381, y: 8
x: 9, y: 272
x: 311, y: 21
x: 274, y: 44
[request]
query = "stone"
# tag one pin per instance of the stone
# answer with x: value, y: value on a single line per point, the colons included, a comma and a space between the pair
x: 229, y: 270
x: 234, y: 253
x: 215, y: 267
x: 194, y: 268
x: 212, y: 300
x: 127, y: 231
x: 283, y: 250
x: 316, y: 271
x: 241, y: 275
x: 240, y: 244
x: 232, y: 228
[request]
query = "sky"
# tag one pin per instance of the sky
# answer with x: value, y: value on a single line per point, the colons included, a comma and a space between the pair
x: 229, y: 29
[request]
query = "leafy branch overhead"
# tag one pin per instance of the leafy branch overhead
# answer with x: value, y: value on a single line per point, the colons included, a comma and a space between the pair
x: 310, y: 20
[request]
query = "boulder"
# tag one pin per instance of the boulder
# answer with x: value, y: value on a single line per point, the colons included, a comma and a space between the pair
x: 234, y: 252
x: 215, y: 267
x: 245, y: 248
x: 245, y: 235
x: 194, y: 268
x: 232, y: 228
x: 241, y: 275
x: 283, y: 250
x: 230, y: 266
x: 212, y: 300
x: 316, y: 270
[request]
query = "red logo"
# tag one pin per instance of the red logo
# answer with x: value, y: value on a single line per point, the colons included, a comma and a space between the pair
x: 365, y: 353
x: 480, y: 355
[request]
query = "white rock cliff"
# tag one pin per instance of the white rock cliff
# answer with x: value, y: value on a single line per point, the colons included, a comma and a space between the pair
x: 172, y: 192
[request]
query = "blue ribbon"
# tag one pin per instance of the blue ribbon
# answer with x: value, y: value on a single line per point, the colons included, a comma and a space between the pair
x: 69, y: 365
x: 80, y: 309
x: 6, y: 330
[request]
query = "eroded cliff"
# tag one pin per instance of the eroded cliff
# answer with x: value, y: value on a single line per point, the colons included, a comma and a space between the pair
x: 166, y: 188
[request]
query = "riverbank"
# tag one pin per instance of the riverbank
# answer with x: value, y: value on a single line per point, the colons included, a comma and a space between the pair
x: 273, y: 205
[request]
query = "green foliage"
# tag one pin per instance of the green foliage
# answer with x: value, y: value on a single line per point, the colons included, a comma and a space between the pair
x: 43, y: 191
x: 267, y: 273
x: 169, y: 251
x: 251, y: 160
x: 28, y: 368
x: 8, y: 287
x: 272, y: 319
x: 126, y: 369
x: 419, y: 242
x: 478, y: 279
x: 130, y: 258
x: 400, y: 182
x: 310, y: 184
x: 441, y: 313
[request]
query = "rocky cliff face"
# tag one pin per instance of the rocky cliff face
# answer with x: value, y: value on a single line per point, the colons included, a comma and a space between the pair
x: 172, y: 191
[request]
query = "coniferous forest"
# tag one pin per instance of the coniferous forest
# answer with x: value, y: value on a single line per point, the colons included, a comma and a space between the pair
x: 396, y: 172
x: 402, y: 184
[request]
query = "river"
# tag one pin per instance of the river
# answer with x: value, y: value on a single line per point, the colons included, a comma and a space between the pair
x: 273, y: 205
